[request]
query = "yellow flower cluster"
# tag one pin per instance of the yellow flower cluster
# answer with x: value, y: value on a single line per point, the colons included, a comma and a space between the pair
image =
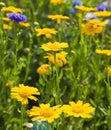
x: 56, y: 2
x: 58, y: 18
x: 103, y: 14
x: 11, y: 9
x: 47, y: 113
x: 104, y: 52
x: 93, y: 26
x: 60, y: 58
x: 23, y: 93
x: 84, y: 8
x: 46, y: 31
x: 24, y: 24
x: 56, y: 46
x: 44, y: 69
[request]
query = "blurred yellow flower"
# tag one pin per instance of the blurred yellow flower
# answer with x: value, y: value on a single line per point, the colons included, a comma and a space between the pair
x: 58, y: 18
x: 93, y: 26
x: 60, y: 58
x: 46, y: 31
x: 84, y: 8
x: 6, y: 19
x: 78, y: 109
x: 7, y: 27
x: 23, y: 93
x: 56, y: 46
x: 56, y: 2
x: 109, y: 71
x: 11, y: 9
x: 44, y: 112
x: 104, y: 52
x: 24, y: 24
x: 103, y: 14
x: 44, y: 69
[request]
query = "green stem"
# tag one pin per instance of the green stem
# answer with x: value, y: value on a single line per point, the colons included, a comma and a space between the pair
x: 28, y: 60
x: 22, y: 116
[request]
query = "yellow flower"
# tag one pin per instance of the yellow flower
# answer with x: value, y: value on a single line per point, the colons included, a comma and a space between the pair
x: 7, y: 27
x: 44, y: 112
x: 56, y: 2
x: 44, y: 69
x: 84, y: 8
x: 93, y: 26
x: 23, y: 93
x: 58, y: 18
x: 60, y: 58
x: 78, y: 109
x: 56, y: 46
x: 11, y: 9
x: 109, y: 71
x: 104, y: 52
x: 23, y: 24
x: 6, y: 19
x: 46, y: 31
x: 103, y: 14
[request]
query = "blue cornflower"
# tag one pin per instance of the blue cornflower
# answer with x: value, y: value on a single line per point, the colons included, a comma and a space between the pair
x: 17, y: 17
x: 102, y: 7
x: 72, y: 10
x: 77, y: 2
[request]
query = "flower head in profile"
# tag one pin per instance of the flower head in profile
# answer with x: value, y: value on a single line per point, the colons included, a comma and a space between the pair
x: 60, y: 58
x: 103, y: 52
x: 11, y: 9
x: 24, y: 24
x: 93, y: 27
x: 46, y: 31
x: 78, y: 109
x: 85, y: 9
x: 56, y: 2
x: 17, y: 17
x: 23, y: 93
x: 44, y: 69
x: 56, y: 46
x: 45, y: 112
x: 103, y: 14
x: 58, y: 18
x: 5, y: 19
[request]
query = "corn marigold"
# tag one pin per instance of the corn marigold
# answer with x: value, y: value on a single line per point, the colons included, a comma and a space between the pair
x: 44, y: 69
x: 24, y: 24
x: 93, y: 26
x: 56, y: 2
x: 7, y: 26
x: 6, y: 19
x: 23, y: 93
x: 45, y: 112
x: 78, y: 109
x: 46, y: 31
x: 11, y: 9
x: 109, y: 70
x: 84, y: 8
x: 60, y: 58
x: 58, y: 18
x: 103, y: 14
x: 56, y: 46
x: 104, y: 52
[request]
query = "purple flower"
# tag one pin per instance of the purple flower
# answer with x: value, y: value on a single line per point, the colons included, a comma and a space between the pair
x: 72, y: 10
x: 77, y: 2
x: 17, y: 17
x: 102, y: 7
